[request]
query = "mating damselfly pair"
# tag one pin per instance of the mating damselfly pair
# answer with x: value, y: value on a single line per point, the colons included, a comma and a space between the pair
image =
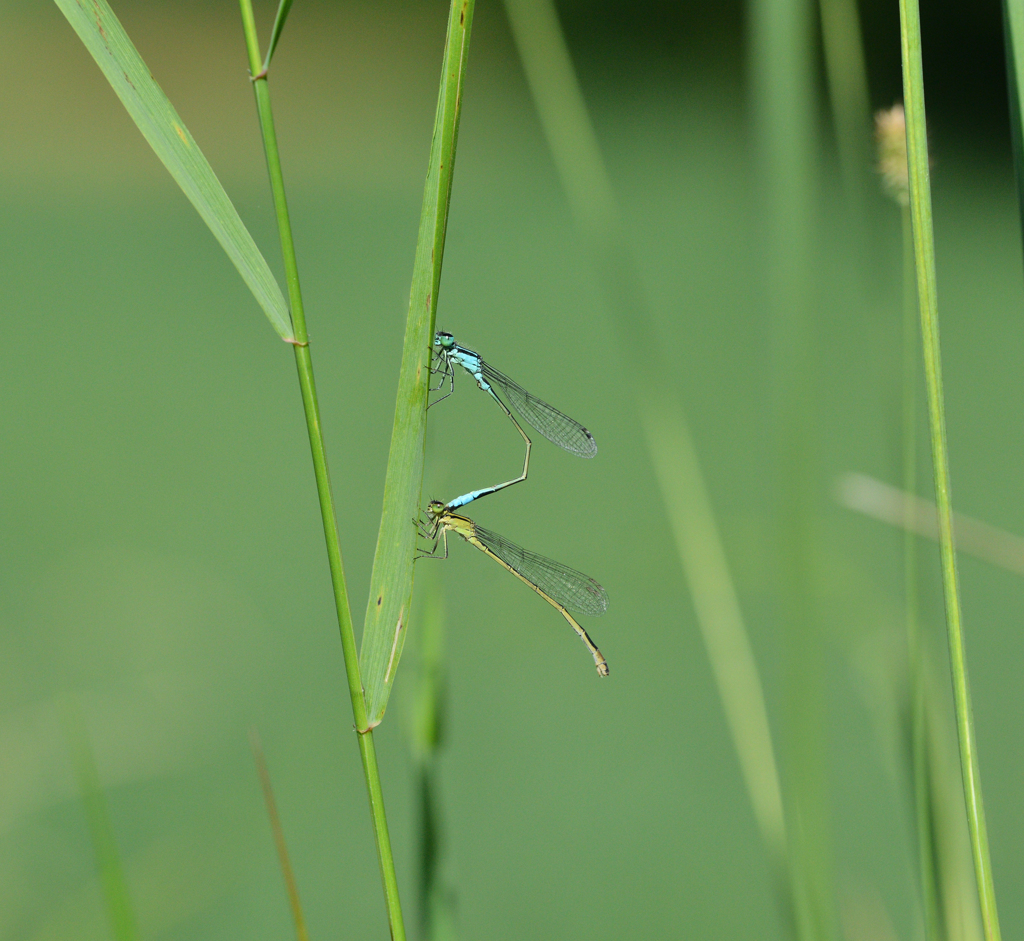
x: 562, y: 587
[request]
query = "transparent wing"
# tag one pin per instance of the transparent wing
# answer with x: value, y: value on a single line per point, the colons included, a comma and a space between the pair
x: 568, y: 587
x: 558, y: 428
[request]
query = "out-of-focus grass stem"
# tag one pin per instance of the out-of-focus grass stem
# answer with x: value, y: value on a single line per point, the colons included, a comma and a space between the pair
x: 1013, y: 37
x: 848, y: 95
x: 891, y: 137
x: 924, y: 255
x: 718, y: 613
x: 307, y: 385
x: 291, y: 886
x: 918, y: 703
x: 577, y: 156
x: 437, y: 902
x: 782, y: 89
x: 923, y: 810
x: 896, y: 507
x: 123, y: 923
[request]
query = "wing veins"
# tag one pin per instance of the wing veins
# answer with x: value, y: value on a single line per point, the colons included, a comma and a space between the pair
x: 565, y: 585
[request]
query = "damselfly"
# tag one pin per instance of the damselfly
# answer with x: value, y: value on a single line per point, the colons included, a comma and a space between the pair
x: 559, y: 585
x: 553, y: 424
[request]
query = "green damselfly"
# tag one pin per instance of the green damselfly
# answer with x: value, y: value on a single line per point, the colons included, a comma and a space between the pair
x: 559, y: 585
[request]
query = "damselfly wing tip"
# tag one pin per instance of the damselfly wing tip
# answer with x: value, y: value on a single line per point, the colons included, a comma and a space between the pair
x: 589, y: 448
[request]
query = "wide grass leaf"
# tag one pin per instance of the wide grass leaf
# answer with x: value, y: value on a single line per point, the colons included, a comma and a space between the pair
x: 387, y: 612
x: 150, y: 109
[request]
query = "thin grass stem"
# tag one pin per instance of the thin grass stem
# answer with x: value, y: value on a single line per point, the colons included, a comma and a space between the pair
x: 436, y: 896
x: 923, y: 810
x: 960, y: 915
x: 116, y: 896
x: 843, y: 49
x: 291, y: 886
x: 283, y: 9
x: 782, y: 80
x: 1013, y: 37
x: 307, y: 385
x: 719, y: 617
x: 924, y: 254
x: 889, y: 504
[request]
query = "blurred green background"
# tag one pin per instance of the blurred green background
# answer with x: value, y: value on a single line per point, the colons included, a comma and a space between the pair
x: 162, y: 555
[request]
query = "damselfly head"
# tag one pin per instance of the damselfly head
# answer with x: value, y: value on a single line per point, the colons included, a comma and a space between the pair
x: 444, y: 340
x: 434, y: 509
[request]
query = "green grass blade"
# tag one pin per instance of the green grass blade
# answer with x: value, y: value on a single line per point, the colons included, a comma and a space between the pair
x: 903, y: 509
x: 787, y: 145
x: 920, y: 704
x: 1013, y: 35
x: 891, y: 139
x: 318, y: 451
x: 847, y: 73
x: 387, y: 611
x: 955, y: 886
x: 291, y: 886
x: 152, y: 112
x: 123, y: 923
x: 924, y: 256
x: 706, y: 569
x: 282, y: 14
x: 436, y: 895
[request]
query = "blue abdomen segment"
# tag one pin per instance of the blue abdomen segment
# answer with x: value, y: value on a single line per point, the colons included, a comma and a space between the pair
x: 469, y: 497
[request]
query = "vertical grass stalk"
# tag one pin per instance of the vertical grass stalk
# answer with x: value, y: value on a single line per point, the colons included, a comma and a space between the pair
x: 291, y: 886
x: 307, y: 385
x: 891, y: 137
x: 782, y: 90
x: 436, y: 897
x: 957, y: 893
x: 923, y: 808
x: 924, y: 256
x: 721, y: 623
x: 848, y: 93
x: 1013, y: 38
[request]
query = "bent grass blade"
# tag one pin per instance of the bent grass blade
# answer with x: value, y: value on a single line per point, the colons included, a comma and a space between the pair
x: 154, y: 115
